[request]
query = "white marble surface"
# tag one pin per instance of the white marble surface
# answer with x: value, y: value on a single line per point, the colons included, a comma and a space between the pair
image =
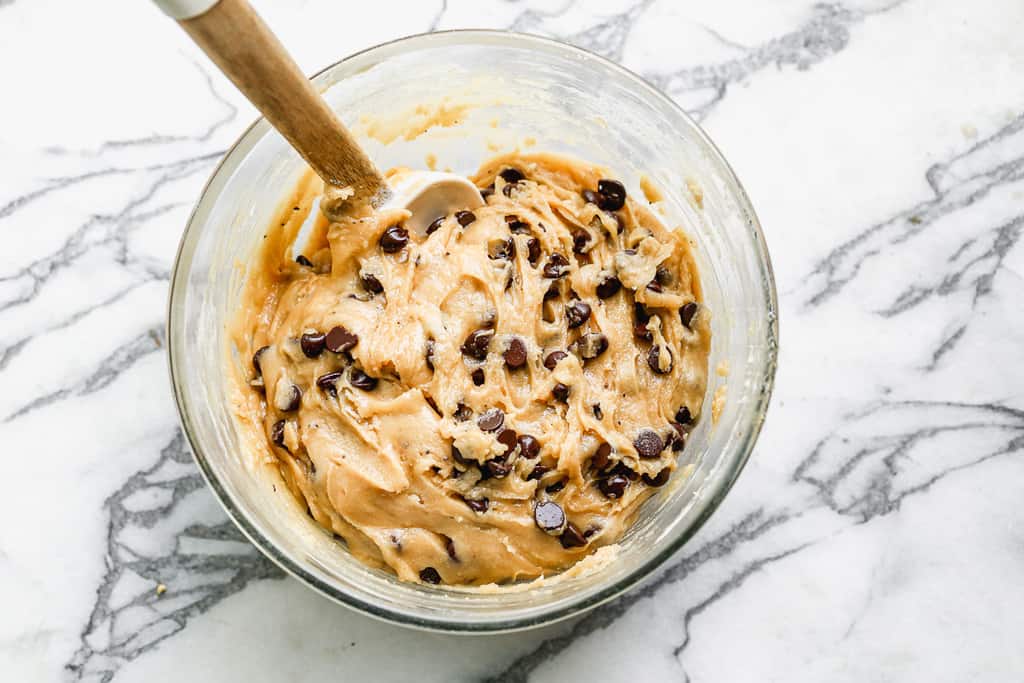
x: 878, y: 532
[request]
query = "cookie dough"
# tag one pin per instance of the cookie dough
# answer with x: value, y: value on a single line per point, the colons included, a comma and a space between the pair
x: 488, y: 401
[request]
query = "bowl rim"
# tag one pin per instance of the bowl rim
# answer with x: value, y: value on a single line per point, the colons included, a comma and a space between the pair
x: 708, y: 505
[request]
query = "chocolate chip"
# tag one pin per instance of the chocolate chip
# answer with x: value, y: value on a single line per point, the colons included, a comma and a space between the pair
x: 491, y: 421
x: 602, y: 457
x: 340, y: 340
x: 598, y: 413
x: 550, y: 517
x: 552, y: 359
x: 462, y: 413
x: 394, y: 239
x: 370, y: 283
x: 515, y: 354
x: 654, y: 286
x: 433, y: 404
x: 590, y: 345
x: 556, y: 487
x: 612, y: 194
x: 517, y: 225
x: 654, y: 360
x: 608, y: 287
x: 622, y: 469
x: 529, y: 447
x: 256, y: 359
x: 287, y: 397
x: 429, y: 355
x: 457, y: 457
x: 449, y: 547
x: 590, y: 197
x: 360, y: 380
x: 465, y: 217
x: 303, y: 261
x: 509, y: 439
x: 480, y: 505
x: 498, y: 467
x: 504, y: 250
x: 312, y: 343
x: 478, y: 376
x: 660, y: 479
x: 553, y: 292
x: 648, y: 444
x: 683, y: 416
x: 678, y: 438
x: 572, y: 537
x: 507, y: 190
x: 328, y: 382
x: 663, y: 276
x: 430, y: 575
x: 510, y: 249
x: 686, y: 314
x: 537, y: 472
x: 642, y: 318
x: 511, y: 175
x: 560, y: 392
x: 580, y: 240
x: 577, y: 313
x: 277, y: 434
x: 435, y: 225
x: 533, y: 250
x: 556, y: 267
x: 614, y: 486
x: 477, y: 342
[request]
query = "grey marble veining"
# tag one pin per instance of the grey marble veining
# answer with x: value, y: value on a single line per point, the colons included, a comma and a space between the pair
x: 877, y: 532
x: 992, y: 166
x: 199, y: 552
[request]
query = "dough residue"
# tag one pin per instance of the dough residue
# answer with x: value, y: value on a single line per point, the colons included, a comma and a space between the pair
x: 409, y: 125
x: 651, y: 192
x: 718, y: 403
x: 696, y: 192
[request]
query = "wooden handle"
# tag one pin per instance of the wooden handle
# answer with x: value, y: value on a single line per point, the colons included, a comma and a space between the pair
x: 238, y: 42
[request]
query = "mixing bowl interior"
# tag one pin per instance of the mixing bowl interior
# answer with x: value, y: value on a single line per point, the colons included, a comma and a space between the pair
x: 497, y: 91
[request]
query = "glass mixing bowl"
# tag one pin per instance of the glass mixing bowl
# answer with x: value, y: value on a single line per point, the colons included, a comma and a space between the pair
x: 497, y: 90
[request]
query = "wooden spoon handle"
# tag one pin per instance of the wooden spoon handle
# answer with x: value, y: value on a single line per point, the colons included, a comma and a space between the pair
x: 238, y: 42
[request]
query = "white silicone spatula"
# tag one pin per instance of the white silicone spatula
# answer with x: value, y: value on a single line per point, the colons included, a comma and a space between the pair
x: 243, y: 47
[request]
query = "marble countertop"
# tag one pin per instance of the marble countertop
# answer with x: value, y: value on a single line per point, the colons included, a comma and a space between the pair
x: 878, y: 531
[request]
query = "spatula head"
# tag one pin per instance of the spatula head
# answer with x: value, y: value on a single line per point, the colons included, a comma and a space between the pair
x: 429, y: 195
